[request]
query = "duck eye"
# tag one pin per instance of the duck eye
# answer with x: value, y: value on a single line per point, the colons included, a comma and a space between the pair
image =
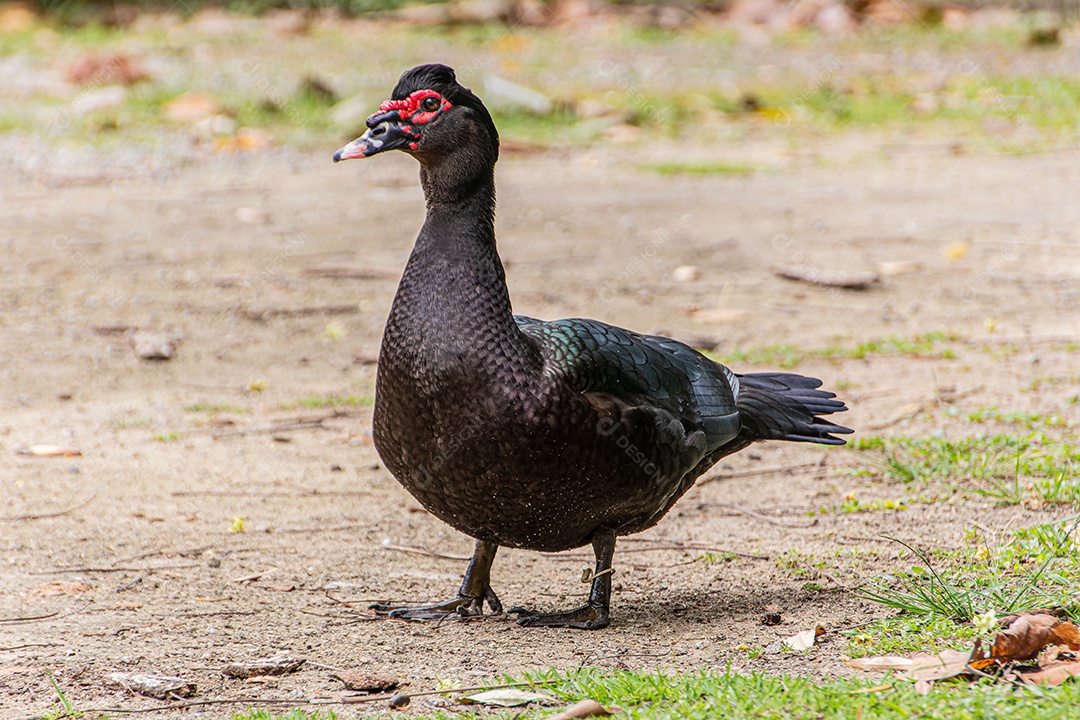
x: 430, y: 104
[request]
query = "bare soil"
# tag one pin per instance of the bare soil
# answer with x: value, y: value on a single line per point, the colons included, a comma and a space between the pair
x: 126, y: 550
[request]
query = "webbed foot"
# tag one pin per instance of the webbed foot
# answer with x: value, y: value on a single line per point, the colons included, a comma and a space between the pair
x: 475, y: 591
x: 463, y: 606
x: 586, y: 617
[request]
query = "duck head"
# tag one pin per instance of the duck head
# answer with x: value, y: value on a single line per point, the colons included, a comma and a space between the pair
x: 430, y: 116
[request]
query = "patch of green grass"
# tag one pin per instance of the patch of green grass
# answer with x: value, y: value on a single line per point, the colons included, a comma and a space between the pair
x: 780, y: 356
x: 331, y: 401
x: 1029, y: 420
x: 560, y: 126
x: 710, y: 694
x: 1008, y: 467
x: 66, y: 708
x: 907, y: 633
x: 926, y: 345
x: 1035, y: 568
x: 166, y: 437
x: 854, y: 505
x: 213, y: 408
x: 295, y: 714
x: 718, y: 167
x: 801, y: 565
x: 125, y: 424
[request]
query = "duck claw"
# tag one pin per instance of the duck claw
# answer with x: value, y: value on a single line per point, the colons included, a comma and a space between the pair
x: 462, y: 606
x: 587, y: 617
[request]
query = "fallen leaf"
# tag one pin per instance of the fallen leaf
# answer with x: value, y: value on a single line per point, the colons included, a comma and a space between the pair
x: 856, y: 280
x: 884, y: 662
x: 61, y: 588
x: 15, y: 18
x: 191, y: 107
x: 366, y: 682
x: 152, y: 685
x: 48, y: 451
x: 1025, y: 637
x: 273, y: 665
x: 805, y: 639
x: 584, y: 709
x: 898, y: 267
x: 508, y: 697
x: 1054, y: 675
x: 946, y: 664
x: 1067, y: 634
x: 280, y: 588
x: 106, y: 69
x: 957, y: 250
x: 127, y: 605
x: 923, y: 687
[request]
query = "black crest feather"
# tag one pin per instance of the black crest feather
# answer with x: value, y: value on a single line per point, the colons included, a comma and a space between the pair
x: 443, y: 80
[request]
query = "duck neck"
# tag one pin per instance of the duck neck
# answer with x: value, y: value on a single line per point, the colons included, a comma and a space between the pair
x: 454, y: 284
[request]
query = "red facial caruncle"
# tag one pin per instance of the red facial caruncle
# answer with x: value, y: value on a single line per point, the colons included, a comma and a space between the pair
x: 417, y: 108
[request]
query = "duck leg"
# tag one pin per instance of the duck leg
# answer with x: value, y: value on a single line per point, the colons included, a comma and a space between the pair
x: 593, y: 615
x: 475, y: 590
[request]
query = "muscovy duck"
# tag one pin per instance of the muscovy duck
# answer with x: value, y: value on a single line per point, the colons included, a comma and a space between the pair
x: 531, y: 434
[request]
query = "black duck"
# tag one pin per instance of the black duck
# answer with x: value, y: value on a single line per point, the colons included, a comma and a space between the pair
x: 533, y: 434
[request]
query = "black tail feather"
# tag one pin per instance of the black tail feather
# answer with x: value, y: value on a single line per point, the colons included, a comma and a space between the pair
x: 785, y: 406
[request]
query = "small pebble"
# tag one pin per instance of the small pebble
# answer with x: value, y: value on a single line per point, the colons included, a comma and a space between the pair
x: 399, y: 701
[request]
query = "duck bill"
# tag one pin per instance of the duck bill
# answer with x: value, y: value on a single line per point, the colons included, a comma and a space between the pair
x: 389, y: 134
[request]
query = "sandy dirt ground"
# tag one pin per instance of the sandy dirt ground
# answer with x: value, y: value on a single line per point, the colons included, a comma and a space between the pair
x: 276, y: 271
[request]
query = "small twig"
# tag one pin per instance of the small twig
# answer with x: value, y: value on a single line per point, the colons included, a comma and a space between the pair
x: 128, y: 586
x: 336, y: 528
x: 587, y: 576
x: 758, y: 516
x: 561, y: 557
x: 304, y: 424
x: 59, y: 571
x: 40, y: 516
x: 29, y: 645
x: 210, y: 614
x: 29, y: 618
x: 426, y: 553
x: 267, y: 313
x: 882, y: 538
x: 347, y: 700
x: 753, y: 472
x: 254, y: 576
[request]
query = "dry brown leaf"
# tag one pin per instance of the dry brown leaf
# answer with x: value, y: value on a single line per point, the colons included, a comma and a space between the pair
x: 16, y: 18
x: 152, y: 685
x: 1067, y: 634
x: 1054, y: 675
x: 946, y: 664
x: 366, y: 682
x: 106, y: 69
x: 61, y: 588
x: 884, y: 662
x: 127, y: 605
x: 584, y: 709
x: 805, y: 639
x: 1025, y: 637
x: 851, y: 280
x: 923, y: 687
x: 191, y: 107
x: 273, y: 665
